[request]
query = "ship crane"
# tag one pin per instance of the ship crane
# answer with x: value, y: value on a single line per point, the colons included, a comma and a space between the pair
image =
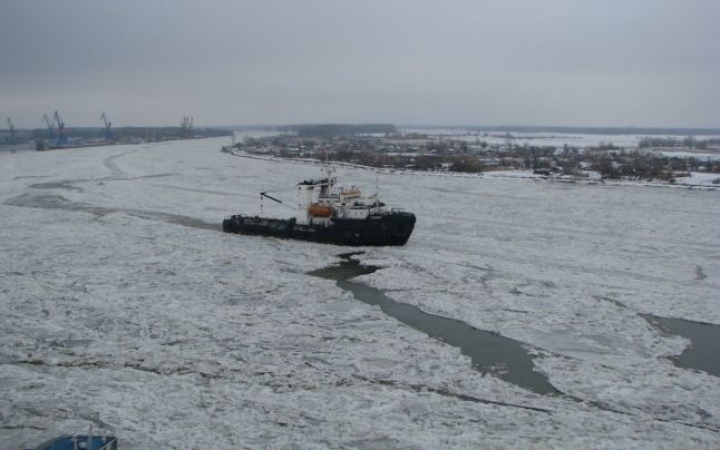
x: 264, y: 195
x: 108, y: 127
x: 62, y: 132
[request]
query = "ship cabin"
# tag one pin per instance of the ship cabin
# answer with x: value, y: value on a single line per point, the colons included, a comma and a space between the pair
x: 321, y: 202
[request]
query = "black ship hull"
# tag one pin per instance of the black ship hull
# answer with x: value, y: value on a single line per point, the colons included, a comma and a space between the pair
x: 379, y: 229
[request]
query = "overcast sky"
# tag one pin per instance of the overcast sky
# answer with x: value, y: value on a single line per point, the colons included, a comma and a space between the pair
x: 451, y: 62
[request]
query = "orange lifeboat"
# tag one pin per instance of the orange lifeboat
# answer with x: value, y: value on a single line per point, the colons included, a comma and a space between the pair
x: 318, y: 210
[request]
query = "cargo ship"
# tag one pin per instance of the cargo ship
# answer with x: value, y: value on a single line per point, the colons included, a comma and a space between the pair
x: 331, y: 214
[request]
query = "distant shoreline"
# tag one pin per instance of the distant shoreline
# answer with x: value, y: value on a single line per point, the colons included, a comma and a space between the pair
x: 651, y: 131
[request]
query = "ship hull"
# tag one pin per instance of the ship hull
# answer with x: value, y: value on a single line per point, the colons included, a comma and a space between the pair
x: 377, y: 230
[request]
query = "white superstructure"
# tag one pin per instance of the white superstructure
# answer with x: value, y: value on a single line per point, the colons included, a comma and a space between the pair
x: 321, y: 201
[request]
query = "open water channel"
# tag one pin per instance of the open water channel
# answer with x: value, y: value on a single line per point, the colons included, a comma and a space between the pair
x: 489, y: 352
x: 703, y: 354
x: 502, y: 356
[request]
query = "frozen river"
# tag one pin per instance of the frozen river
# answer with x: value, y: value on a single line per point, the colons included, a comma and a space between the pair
x: 122, y: 305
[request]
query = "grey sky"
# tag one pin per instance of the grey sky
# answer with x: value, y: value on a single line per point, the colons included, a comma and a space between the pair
x: 484, y: 62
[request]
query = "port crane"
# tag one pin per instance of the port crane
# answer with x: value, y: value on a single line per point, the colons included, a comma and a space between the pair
x: 12, y: 130
x: 50, y: 126
x: 62, y: 132
x: 108, y: 127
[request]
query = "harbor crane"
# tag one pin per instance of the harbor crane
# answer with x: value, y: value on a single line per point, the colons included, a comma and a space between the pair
x: 62, y: 139
x: 12, y: 130
x: 50, y: 126
x: 108, y: 127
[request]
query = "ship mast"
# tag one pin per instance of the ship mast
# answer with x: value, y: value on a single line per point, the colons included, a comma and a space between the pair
x: 328, y: 170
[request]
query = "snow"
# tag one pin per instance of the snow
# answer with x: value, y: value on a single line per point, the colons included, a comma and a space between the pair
x: 124, y: 306
x: 700, y: 179
x: 547, y: 139
x: 695, y: 179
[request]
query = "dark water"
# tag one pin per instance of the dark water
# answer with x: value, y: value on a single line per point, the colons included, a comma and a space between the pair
x: 59, y: 202
x: 704, y: 353
x: 489, y: 352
